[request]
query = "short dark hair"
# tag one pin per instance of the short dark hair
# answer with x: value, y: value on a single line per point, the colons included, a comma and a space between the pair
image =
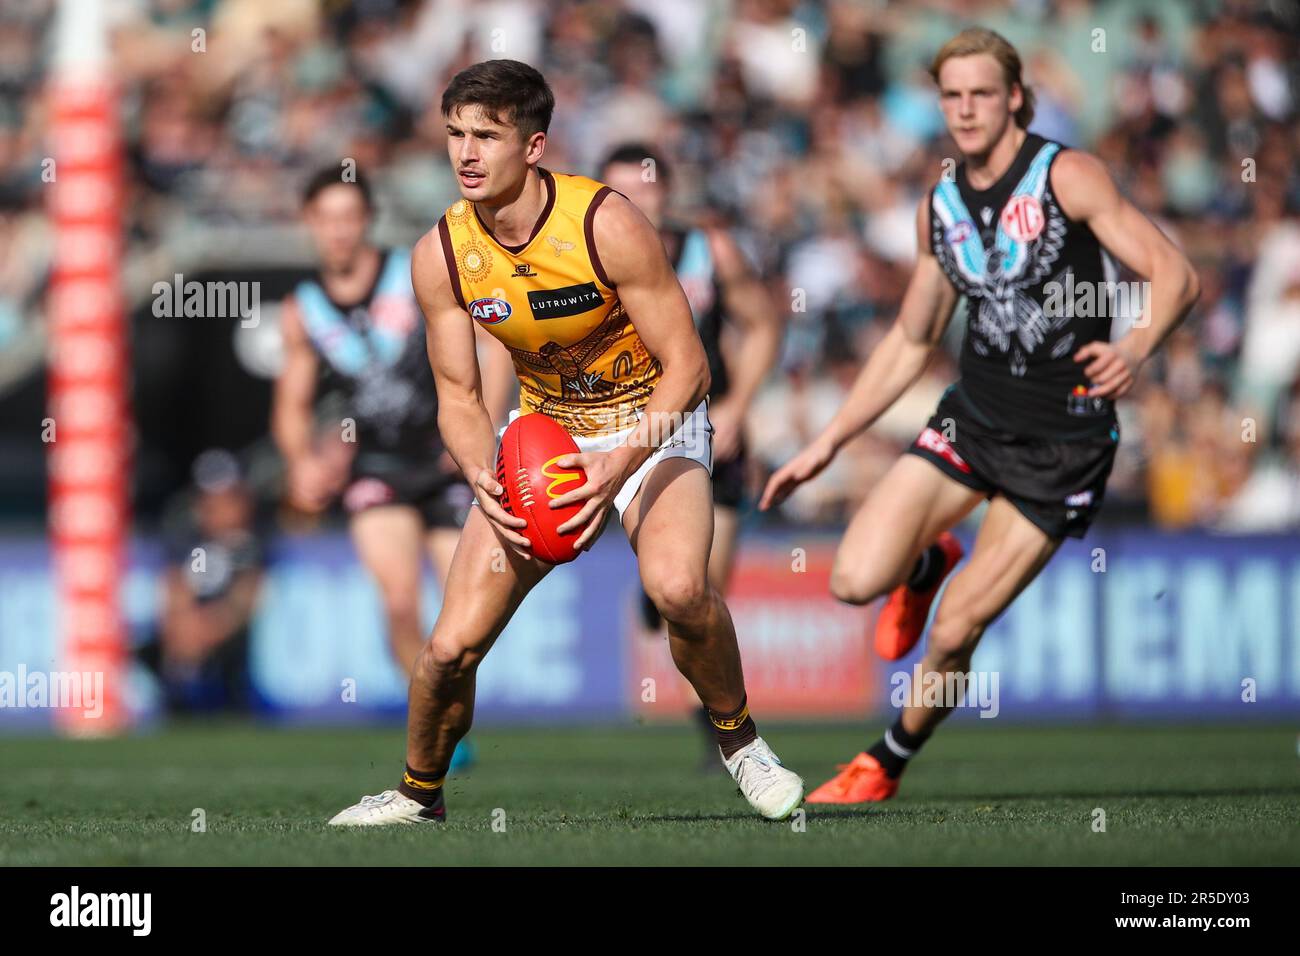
x: 635, y: 154
x: 507, y: 90
x: 328, y: 176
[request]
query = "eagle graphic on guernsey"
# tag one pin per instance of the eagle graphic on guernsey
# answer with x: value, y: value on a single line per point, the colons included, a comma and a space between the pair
x: 1028, y: 242
x: 558, y: 244
x: 570, y: 362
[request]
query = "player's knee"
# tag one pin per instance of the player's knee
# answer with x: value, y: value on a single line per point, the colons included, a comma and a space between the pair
x: 854, y: 585
x: 403, y: 613
x: 678, y: 595
x: 848, y: 587
x: 442, y: 661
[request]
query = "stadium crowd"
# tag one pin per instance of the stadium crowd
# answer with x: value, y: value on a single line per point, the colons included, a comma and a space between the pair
x: 809, y: 127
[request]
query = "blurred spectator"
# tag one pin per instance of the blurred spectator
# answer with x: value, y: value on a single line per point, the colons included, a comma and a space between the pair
x: 810, y: 125
x: 25, y: 250
x: 1269, y: 498
x: 1270, y: 353
x: 210, y: 588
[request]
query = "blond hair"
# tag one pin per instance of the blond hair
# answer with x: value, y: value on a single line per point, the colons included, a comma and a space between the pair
x: 977, y: 40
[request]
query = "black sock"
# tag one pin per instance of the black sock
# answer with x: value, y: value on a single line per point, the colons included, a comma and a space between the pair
x: 889, y: 757
x: 927, y: 570
x: 733, y: 730
x: 424, y: 788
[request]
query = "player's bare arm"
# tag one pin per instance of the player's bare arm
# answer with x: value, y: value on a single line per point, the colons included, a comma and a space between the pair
x: 895, y: 364
x: 463, y: 418
x: 634, y: 259
x: 1087, y: 193
x: 291, y: 404
x: 498, y: 375
x: 310, y: 480
x: 761, y: 327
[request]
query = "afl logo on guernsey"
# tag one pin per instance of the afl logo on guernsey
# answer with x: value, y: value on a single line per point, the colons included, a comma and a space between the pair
x: 959, y: 232
x: 490, y: 311
x: 1022, y: 218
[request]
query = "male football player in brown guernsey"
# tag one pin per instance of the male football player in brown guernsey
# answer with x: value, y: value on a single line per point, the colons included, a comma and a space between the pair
x: 575, y: 281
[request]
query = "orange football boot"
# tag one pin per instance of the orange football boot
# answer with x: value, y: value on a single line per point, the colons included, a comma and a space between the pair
x: 902, y: 619
x: 862, y: 781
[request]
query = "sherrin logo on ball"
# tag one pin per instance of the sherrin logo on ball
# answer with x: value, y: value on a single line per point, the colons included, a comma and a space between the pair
x: 490, y: 311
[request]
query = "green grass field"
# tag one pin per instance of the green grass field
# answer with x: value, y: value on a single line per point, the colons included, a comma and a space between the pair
x: 633, y: 795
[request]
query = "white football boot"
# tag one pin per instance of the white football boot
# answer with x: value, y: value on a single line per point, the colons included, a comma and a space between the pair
x: 387, y: 808
x: 770, y: 789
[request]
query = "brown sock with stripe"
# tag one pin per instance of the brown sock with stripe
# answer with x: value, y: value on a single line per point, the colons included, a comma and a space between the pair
x: 424, y: 788
x: 733, y: 730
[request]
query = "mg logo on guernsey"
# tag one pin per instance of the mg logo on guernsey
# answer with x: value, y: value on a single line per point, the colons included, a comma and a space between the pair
x: 558, y: 477
x: 1023, y: 219
x: 931, y: 440
x: 490, y: 311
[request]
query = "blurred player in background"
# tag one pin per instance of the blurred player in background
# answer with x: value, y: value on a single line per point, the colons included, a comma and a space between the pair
x: 355, y: 329
x: 1031, y: 424
x: 722, y: 290
x: 536, y: 258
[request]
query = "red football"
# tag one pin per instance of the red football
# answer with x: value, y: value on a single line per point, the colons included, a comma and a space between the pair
x: 526, y: 469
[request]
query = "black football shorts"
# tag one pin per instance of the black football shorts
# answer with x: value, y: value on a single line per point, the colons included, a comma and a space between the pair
x: 1058, y: 485
x: 443, y: 499
x: 729, y: 480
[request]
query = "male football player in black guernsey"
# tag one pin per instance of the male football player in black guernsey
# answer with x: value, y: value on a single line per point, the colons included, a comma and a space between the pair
x: 722, y: 289
x: 355, y: 330
x: 1030, y: 425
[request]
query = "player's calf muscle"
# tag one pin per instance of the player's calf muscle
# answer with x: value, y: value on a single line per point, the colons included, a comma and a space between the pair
x: 953, y: 637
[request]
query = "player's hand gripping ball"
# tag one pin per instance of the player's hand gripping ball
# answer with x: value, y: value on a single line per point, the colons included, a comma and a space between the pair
x: 527, y: 470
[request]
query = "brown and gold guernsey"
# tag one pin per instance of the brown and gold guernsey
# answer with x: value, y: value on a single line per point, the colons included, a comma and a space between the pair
x: 578, y: 358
